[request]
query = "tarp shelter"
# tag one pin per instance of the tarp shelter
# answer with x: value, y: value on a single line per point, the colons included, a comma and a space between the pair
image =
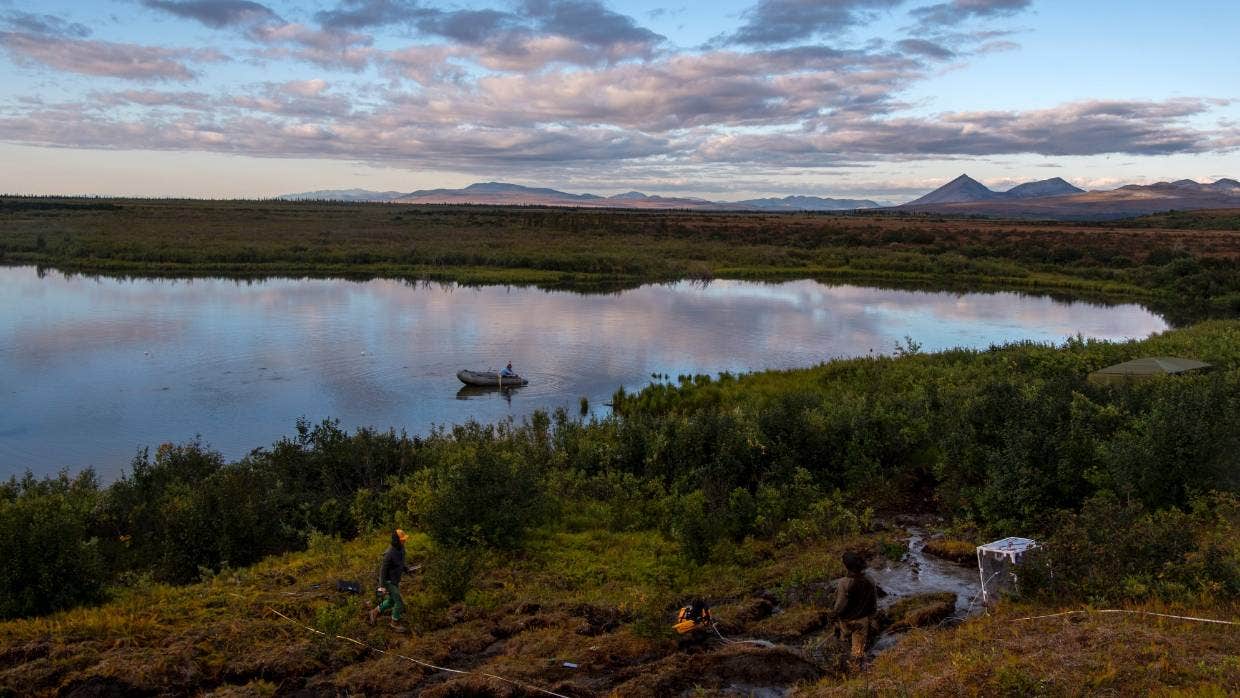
x: 996, y: 564
x: 1142, y: 369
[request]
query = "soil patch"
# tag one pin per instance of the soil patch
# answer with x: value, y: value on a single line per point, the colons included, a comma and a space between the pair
x: 735, y: 664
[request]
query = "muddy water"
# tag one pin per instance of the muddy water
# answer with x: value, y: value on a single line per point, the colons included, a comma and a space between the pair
x: 915, y: 574
x: 921, y: 573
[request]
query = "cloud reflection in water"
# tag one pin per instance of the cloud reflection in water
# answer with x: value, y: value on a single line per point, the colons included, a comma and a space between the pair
x: 92, y: 369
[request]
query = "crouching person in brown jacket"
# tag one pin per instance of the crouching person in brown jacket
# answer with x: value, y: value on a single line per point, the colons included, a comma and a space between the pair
x: 856, y: 602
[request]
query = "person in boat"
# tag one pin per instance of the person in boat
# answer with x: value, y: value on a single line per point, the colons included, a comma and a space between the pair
x: 390, y: 571
x: 507, y: 372
x: 856, y: 602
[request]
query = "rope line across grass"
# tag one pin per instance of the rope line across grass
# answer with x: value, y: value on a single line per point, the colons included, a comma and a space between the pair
x: 728, y: 641
x: 418, y: 661
x: 1143, y: 613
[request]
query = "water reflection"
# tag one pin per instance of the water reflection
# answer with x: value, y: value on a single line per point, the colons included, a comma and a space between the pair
x: 93, y: 368
x: 474, y: 392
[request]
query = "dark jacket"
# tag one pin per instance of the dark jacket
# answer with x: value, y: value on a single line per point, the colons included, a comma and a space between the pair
x: 856, y: 597
x: 393, y: 565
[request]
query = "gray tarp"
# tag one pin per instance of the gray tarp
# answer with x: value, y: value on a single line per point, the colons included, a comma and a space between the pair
x: 1139, y: 369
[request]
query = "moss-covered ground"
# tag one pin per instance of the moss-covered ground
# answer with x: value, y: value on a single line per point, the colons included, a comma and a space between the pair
x: 601, y: 601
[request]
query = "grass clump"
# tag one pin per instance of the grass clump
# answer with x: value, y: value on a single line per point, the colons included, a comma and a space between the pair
x: 958, y: 551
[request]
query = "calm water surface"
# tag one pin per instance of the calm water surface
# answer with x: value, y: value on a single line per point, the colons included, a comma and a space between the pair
x: 91, y: 369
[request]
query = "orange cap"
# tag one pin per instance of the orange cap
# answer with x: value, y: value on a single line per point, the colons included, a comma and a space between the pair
x: 400, y: 533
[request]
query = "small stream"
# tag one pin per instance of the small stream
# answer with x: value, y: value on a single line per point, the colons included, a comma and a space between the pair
x: 915, y: 573
x: 921, y: 573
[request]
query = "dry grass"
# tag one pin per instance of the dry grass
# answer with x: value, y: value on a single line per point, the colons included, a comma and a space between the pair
x: 603, y: 601
x: 959, y: 551
x: 1117, y: 655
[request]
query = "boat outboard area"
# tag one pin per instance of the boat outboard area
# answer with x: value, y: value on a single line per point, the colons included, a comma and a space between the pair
x: 490, y: 379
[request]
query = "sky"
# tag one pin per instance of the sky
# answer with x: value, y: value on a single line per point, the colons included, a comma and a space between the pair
x: 732, y: 99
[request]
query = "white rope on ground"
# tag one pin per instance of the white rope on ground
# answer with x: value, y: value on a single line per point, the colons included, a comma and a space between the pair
x: 760, y: 643
x: 1143, y: 613
x: 418, y: 661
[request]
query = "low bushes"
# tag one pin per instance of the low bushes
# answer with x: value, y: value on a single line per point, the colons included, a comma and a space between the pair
x: 51, y: 559
x: 1113, y: 550
x: 1003, y: 440
x: 480, y: 488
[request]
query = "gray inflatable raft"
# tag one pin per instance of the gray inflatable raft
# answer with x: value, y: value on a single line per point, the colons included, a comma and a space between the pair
x: 489, y: 379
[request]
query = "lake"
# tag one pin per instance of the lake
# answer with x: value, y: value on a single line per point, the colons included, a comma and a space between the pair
x: 93, y: 368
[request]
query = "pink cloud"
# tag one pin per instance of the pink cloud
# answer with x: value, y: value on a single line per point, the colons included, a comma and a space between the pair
x: 105, y: 58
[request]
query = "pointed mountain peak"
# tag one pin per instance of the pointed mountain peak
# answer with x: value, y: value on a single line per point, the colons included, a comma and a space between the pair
x: 961, y: 189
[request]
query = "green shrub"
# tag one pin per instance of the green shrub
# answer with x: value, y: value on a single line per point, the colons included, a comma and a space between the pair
x: 480, y: 491
x: 51, y: 558
x: 1183, y: 442
x: 450, y: 571
x: 695, y: 527
x: 827, y: 517
x: 186, y: 510
x: 1114, y: 550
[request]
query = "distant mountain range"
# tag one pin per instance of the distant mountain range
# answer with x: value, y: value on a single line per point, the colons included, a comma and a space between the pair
x: 1053, y: 198
x: 503, y: 194
x: 1057, y: 199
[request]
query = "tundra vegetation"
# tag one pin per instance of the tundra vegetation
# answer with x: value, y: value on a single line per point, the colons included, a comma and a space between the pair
x: 565, y: 539
x: 1182, y: 264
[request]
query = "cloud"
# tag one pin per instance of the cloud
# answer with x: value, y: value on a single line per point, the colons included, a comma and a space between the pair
x: 365, y: 138
x: 217, y: 14
x: 154, y: 98
x: 362, y: 14
x: 289, y: 120
x: 922, y: 47
x: 305, y: 88
x: 773, y: 22
x: 534, y: 34
x: 427, y: 65
x: 105, y: 58
x: 1077, y: 128
x: 468, y: 26
x: 306, y: 99
x: 680, y: 92
x: 43, y: 24
x: 572, y: 89
x: 589, y: 22
x: 328, y: 47
x: 464, y: 26
x: 957, y: 11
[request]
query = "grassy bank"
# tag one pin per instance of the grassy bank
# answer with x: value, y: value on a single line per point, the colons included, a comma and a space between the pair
x: 600, y: 600
x: 1181, y: 262
x: 560, y: 540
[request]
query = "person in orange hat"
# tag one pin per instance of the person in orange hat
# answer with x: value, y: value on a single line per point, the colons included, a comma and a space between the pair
x: 390, y: 571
